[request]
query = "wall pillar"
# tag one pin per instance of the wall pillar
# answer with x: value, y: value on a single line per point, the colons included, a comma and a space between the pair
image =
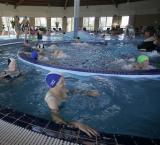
x: 132, y: 20
x: 48, y: 22
x: 96, y: 24
x: 76, y: 17
x: 81, y: 23
x: 64, y: 24
x: 1, y: 25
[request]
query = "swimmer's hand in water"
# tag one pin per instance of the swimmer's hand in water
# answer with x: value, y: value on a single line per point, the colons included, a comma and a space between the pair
x: 93, y: 93
x: 3, y: 74
x: 84, y: 128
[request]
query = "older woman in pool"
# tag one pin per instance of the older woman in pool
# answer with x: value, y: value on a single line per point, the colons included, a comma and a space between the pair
x: 56, y: 94
x: 12, y: 71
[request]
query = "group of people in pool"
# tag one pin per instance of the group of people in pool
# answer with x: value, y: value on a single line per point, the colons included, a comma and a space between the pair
x: 151, y: 43
x: 53, y: 52
x: 56, y: 94
x: 42, y: 53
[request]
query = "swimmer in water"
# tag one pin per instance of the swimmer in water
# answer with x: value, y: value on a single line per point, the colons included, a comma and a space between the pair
x: 142, y: 63
x: 12, y: 71
x: 56, y: 94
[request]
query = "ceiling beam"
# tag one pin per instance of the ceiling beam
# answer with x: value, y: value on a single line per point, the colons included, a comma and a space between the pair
x: 66, y: 3
x: 18, y: 3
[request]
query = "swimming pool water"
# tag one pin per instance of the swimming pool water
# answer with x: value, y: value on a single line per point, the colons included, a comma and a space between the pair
x: 126, y: 106
x: 117, y: 55
x: 92, y: 57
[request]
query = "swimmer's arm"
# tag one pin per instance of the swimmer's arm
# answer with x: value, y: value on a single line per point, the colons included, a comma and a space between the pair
x: 142, y: 49
x: 53, y: 106
x: 90, y: 93
x: 84, y: 128
x: 4, y: 74
x: 56, y: 117
x: 55, y: 113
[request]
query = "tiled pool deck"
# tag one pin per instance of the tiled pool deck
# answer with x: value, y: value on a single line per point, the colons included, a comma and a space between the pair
x: 65, y: 133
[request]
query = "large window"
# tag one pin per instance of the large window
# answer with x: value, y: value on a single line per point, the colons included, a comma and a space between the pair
x: 6, y: 22
x: 88, y: 23
x: 70, y: 24
x: 105, y: 22
x: 125, y: 21
x: 41, y: 22
x: 56, y: 22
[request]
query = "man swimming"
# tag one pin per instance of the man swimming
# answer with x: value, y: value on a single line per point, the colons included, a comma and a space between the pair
x: 56, y: 94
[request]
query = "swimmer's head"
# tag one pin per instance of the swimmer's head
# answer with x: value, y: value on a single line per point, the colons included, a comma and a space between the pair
x: 25, y: 17
x: 149, y: 31
x: 52, y: 79
x: 40, y: 45
x: 56, y: 84
x: 26, y: 41
x: 142, y: 58
x: 11, y: 60
x: 11, y: 64
x: 34, y: 55
x: 16, y: 18
x: 78, y: 38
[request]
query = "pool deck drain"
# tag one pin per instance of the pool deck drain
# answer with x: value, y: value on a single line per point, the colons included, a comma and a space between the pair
x: 14, y: 135
x: 17, y: 128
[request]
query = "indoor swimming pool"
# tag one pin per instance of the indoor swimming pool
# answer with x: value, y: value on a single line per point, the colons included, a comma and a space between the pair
x: 125, y: 106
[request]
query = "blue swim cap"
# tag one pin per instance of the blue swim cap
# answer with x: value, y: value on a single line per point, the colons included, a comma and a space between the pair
x: 52, y: 79
x: 34, y: 55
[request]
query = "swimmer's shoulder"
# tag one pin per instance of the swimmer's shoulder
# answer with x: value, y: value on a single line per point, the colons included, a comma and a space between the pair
x: 52, y: 102
x: 49, y: 96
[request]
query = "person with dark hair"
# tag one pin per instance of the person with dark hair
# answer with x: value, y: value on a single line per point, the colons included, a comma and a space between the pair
x: 147, y: 44
x: 157, y: 41
x: 25, y: 26
x: 26, y: 43
x: 78, y: 40
x: 12, y: 71
x: 84, y: 29
x: 39, y: 35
